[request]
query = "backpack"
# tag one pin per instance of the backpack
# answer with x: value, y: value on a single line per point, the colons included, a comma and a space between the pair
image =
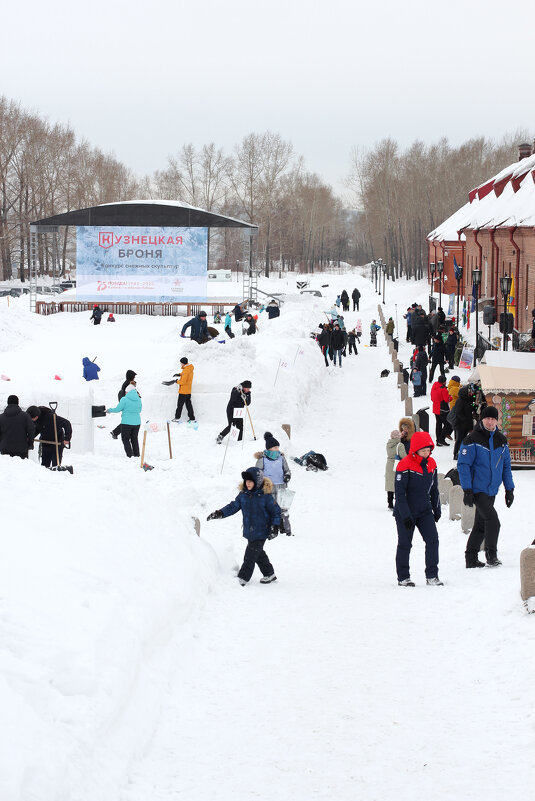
x: 417, y: 378
x: 316, y: 461
x: 452, y: 417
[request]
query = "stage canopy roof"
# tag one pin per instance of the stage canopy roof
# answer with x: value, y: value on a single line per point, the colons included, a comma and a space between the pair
x: 153, y: 213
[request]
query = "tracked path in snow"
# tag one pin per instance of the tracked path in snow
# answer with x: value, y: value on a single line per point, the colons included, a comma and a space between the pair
x: 333, y: 683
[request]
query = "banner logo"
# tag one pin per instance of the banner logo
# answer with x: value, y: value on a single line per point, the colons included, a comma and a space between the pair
x: 105, y: 239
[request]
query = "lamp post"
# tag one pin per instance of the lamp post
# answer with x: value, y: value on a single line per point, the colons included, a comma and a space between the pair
x: 374, y: 273
x: 379, y: 267
x: 505, y: 286
x: 440, y: 269
x: 432, y: 270
x: 459, y: 278
x: 476, y: 281
x: 384, y: 283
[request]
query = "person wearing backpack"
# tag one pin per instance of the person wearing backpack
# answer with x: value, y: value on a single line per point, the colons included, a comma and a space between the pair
x: 272, y: 462
x: 261, y: 522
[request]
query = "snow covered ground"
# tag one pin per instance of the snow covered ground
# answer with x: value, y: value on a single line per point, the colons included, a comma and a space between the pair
x: 132, y: 665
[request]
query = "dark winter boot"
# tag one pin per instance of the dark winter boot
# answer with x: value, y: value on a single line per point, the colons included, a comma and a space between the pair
x: 473, y: 561
x: 492, y: 558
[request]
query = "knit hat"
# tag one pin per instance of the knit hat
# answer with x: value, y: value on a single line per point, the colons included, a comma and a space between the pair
x: 183, y: 360
x: 271, y: 442
x: 489, y: 411
x: 130, y: 375
x: 441, y: 379
x: 455, y: 378
x: 12, y: 400
x: 246, y: 384
x: 33, y: 411
x: 395, y: 434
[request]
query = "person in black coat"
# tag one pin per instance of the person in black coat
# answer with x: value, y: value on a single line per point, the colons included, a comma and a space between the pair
x: 324, y: 341
x: 43, y: 418
x: 273, y: 310
x: 130, y: 375
x: 239, y: 398
x: 16, y: 430
x: 251, y: 323
x: 97, y: 314
x: 338, y: 343
x: 352, y: 342
x: 438, y: 355
x: 199, y: 328
x: 451, y: 344
x: 420, y: 329
x: 356, y: 298
x: 344, y: 297
x: 465, y: 415
x: 237, y: 311
x: 421, y: 361
x: 441, y: 317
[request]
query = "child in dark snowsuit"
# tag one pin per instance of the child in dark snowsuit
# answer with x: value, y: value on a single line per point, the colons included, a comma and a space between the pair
x: 261, y: 521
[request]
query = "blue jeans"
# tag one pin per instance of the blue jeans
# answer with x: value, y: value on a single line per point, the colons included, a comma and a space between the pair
x: 339, y: 353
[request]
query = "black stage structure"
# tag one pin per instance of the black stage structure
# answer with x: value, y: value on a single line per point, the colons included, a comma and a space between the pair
x: 164, y: 213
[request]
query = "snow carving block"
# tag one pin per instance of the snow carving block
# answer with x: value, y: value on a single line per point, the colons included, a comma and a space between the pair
x: 527, y: 573
x: 468, y: 514
x: 286, y: 427
x: 197, y: 526
x: 444, y: 486
x: 404, y: 390
x: 456, y: 502
x: 408, y: 407
x: 400, y: 379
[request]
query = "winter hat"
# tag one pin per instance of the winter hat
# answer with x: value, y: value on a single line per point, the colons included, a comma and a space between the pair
x: 421, y: 439
x: 441, y: 379
x: 33, y: 411
x: 130, y: 375
x: 489, y: 411
x: 246, y: 384
x: 271, y: 442
x: 12, y: 400
x: 395, y: 434
x: 129, y: 388
x: 183, y: 360
x: 456, y: 378
x: 254, y: 474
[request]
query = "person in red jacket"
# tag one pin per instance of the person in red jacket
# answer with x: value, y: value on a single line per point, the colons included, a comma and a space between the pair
x: 440, y: 398
x: 417, y: 505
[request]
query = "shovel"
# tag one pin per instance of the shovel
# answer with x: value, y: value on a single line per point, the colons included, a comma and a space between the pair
x: 58, y: 468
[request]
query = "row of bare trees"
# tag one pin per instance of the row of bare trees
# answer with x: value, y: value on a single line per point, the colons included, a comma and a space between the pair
x: 405, y: 194
x: 44, y: 171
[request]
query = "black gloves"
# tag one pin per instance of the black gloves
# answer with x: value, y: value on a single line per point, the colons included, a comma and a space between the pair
x: 437, y: 515
x: 409, y: 523
x: 239, y: 388
x: 468, y: 498
x: 286, y: 479
x: 509, y: 497
x: 273, y: 532
x: 168, y: 383
x: 215, y: 515
x: 176, y: 375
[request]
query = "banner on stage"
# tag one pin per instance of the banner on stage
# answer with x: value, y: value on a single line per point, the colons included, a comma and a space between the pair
x: 146, y: 264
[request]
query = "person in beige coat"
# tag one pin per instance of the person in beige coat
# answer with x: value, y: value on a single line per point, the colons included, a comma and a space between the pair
x: 390, y: 468
x: 406, y: 430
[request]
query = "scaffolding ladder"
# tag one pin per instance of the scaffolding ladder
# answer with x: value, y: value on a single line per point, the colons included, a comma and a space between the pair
x: 250, y: 271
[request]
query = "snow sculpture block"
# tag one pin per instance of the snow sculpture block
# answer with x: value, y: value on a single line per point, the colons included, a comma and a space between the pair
x: 456, y: 502
x: 444, y: 486
x: 408, y: 407
x: 468, y: 514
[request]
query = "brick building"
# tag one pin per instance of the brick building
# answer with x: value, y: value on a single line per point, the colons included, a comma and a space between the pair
x: 495, y: 233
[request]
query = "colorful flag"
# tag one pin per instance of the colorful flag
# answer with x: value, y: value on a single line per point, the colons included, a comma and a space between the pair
x: 511, y: 298
x: 456, y: 269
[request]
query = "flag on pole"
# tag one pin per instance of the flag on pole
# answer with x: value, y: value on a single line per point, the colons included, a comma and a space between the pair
x: 456, y: 269
x: 234, y: 434
x: 474, y: 298
x: 511, y: 297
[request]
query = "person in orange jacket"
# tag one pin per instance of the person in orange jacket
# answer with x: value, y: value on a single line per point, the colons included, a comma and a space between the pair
x: 454, y: 385
x: 184, y: 381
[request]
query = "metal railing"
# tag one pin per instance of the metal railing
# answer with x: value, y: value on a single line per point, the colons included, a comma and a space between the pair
x: 482, y: 345
x: 155, y: 309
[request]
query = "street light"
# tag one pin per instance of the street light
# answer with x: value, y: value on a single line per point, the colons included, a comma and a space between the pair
x: 476, y: 281
x: 379, y: 267
x: 459, y: 278
x: 505, y: 286
x: 384, y: 283
x: 440, y: 269
x: 432, y: 270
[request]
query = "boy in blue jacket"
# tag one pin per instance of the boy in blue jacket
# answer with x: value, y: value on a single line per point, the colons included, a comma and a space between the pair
x: 261, y: 521
x: 484, y: 462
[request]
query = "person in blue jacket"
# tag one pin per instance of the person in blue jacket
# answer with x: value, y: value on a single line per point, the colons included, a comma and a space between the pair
x: 417, y: 505
x: 261, y: 522
x: 228, y: 326
x: 484, y: 463
x: 199, y: 328
x: 91, y: 370
x: 130, y: 407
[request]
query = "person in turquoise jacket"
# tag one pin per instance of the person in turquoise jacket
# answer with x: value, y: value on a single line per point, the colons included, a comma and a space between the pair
x: 130, y: 407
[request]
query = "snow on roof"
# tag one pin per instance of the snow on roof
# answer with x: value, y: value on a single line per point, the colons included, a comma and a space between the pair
x: 506, y: 379
x: 511, y: 204
x: 509, y: 358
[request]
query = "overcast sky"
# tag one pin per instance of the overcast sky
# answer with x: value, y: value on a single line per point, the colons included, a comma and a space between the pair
x: 141, y: 79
